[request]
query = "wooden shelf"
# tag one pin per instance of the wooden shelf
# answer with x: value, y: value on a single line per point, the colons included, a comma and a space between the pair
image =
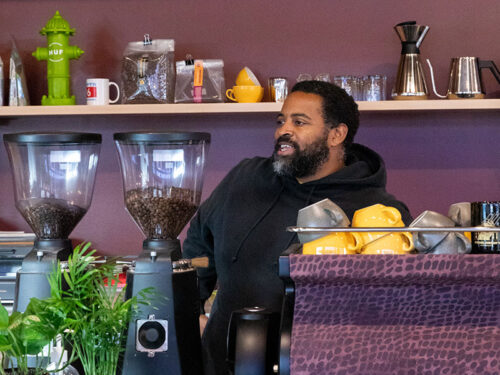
x: 139, y: 109
x: 430, y: 105
x: 208, y: 108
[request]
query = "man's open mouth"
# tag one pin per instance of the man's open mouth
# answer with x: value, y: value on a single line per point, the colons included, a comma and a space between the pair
x: 285, y: 148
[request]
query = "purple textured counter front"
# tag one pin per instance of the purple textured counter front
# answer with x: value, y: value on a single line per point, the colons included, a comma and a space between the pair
x: 394, y: 314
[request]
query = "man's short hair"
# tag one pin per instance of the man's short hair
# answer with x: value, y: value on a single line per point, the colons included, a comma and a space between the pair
x: 338, y: 106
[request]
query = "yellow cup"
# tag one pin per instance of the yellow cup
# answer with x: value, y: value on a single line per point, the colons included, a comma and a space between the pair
x: 376, y: 215
x: 392, y: 243
x: 246, y: 78
x: 334, y: 243
x: 245, y: 94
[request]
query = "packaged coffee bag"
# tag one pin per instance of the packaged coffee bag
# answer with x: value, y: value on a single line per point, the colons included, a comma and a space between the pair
x: 148, y: 73
x: 199, y: 81
x: 18, y: 90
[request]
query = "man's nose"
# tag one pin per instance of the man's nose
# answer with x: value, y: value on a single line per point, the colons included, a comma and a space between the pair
x: 285, y: 128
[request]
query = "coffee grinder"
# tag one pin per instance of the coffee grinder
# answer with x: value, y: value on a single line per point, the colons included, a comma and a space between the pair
x: 54, y: 176
x: 162, y: 179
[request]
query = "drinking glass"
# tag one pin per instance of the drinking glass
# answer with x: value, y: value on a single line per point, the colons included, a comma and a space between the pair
x: 349, y: 83
x: 304, y: 77
x: 325, y: 77
x: 374, y: 87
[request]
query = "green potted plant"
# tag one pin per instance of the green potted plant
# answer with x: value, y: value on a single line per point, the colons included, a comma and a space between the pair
x: 86, y: 308
x: 94, y: 312
x: 23, y: 336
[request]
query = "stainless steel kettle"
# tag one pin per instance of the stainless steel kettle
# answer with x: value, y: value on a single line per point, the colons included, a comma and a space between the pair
x: 410, y: 80
x: 465, y: 78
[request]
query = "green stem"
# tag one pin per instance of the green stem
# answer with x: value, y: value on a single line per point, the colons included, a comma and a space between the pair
x: 2, y: 355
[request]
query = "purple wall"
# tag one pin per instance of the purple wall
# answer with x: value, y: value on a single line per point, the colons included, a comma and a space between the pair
x: 433, y: 159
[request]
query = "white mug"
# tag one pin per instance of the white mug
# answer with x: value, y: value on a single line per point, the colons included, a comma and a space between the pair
x: 98, y: 91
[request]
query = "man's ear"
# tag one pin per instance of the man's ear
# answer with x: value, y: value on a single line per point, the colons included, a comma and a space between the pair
x: 337, y: 135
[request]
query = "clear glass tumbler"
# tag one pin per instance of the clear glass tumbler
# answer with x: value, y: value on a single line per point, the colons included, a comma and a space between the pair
x: 349, y: 83
x: 374, y: 88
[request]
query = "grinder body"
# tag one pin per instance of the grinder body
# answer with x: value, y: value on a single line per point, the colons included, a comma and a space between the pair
x: 166, y: 334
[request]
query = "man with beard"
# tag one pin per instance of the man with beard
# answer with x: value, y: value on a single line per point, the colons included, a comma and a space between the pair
x: 241, y: 226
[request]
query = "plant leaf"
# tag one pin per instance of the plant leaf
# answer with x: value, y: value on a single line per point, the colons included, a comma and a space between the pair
x: 4, y: 317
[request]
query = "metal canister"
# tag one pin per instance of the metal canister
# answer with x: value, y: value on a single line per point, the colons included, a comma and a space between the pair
x: 278, y: 89
x: 486, y: 214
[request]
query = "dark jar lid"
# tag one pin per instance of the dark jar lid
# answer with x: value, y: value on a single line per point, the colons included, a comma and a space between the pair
x: 48, y: 138
x: 162, y: 137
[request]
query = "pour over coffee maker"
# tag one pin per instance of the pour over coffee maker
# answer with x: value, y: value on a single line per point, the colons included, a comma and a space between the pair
x: 410, y: 80
x: 54, y: 177
x: 162, y: 179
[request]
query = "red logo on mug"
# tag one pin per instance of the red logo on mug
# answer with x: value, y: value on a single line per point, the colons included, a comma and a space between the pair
x: 91, y: 92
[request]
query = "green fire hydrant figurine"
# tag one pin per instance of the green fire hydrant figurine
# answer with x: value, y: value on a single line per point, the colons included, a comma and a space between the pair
x: 58, y: 53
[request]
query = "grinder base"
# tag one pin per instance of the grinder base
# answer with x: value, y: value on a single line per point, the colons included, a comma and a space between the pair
x: 166, y: 334
x: 32, y: 277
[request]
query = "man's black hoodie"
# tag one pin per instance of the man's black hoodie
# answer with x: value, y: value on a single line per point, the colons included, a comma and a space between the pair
x: 241, y: 228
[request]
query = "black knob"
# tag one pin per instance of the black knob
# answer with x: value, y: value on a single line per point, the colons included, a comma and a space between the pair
x: 151, y: 335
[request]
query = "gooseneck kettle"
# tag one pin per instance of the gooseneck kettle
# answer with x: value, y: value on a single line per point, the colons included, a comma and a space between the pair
x: 465, y: 80
x: 410, y: 79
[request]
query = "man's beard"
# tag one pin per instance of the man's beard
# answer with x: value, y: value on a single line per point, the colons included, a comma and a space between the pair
x: 302, y: 163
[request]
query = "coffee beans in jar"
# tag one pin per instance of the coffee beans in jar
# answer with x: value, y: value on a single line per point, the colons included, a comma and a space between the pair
x: 163, y: 212
x: 51, y: 218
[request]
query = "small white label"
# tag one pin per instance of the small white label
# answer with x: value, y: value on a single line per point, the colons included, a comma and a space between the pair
x: 168, y: 155
x: 72, y: 156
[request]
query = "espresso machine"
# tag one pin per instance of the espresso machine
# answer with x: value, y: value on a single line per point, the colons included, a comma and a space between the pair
x: 410, y: 80
x: 54, y: 176
x: 13, y: 250
x: 162, y: 180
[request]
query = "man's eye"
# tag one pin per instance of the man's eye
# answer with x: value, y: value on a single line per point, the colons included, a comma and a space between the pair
x: 299, y: 122
x: 279, y: 122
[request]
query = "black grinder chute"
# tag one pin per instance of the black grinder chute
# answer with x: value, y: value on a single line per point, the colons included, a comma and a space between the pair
x: 162, y: 178
x: 54, y: 176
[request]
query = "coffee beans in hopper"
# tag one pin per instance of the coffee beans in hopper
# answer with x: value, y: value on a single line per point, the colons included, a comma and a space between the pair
x: 161, y: 213
x: 51, y: 218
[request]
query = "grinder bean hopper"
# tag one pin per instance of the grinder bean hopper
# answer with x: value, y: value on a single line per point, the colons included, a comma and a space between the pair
x: 54, y: 176
x: 162, y: 178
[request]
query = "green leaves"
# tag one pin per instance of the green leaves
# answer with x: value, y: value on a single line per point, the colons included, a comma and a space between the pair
x: 91, y: 309
x: 22, y: 334
x: 4, y: 318
x: 86, y: 307
x: 51, y: 318
x: 4, y: 325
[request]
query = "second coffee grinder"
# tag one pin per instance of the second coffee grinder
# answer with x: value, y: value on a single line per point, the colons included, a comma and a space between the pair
x: 162, y: 179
